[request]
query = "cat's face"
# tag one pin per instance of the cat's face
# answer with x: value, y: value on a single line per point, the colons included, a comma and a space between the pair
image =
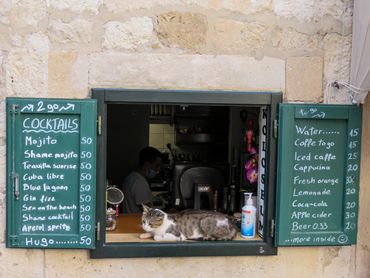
x: 152, y: 218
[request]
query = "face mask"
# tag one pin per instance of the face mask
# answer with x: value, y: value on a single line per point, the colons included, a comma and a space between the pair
x: 151, y: 173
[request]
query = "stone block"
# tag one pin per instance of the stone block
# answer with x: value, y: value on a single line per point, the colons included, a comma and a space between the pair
x: 302, y: 10
x: 227, y: 72
x: 68, y: 75
x: 74, y: 263
x: 2, y: 76
x: 26, y: 73
x: 2, y: 165
x: 38, y: 42
x: 338, y: 259
x: 186, y: 31
x: 77, y: 6
x: 27, y: 13
x: 289, y: 262
x: 290, y: 39
x: 34, y: 42
x: 230, y: 35
x: 337, y: 63
x: 314, y: 10
x: 134, y: 33
x: 5, y: 43
x: 80, y: 266
x: 123, y: 6
x: 304, y: 77
x: 75, y: 32
x: 5, y: 7
x: 2, y: 120
x: 2, y: 211
x: 21, y: 262
x: 239, y: 6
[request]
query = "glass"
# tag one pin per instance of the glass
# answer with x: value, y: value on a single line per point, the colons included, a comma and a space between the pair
x: 110, y: 220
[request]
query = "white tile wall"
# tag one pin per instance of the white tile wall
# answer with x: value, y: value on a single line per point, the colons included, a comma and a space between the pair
x: 160, y: 135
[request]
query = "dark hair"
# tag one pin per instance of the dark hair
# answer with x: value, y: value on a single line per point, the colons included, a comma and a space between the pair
x: 148, y: 154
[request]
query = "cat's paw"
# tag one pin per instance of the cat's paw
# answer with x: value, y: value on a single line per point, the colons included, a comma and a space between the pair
x: 145, y: 235
x: 158, y: 237
x: 166, y: 237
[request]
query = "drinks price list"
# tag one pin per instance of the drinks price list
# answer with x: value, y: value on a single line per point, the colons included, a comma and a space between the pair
x: 319, y: 174
x: 51, y: 173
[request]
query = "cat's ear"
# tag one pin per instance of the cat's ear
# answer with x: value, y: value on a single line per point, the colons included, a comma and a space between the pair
x: 145, y: 208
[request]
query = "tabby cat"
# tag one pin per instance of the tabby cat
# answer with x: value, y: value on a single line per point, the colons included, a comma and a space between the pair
x: 189, y: 224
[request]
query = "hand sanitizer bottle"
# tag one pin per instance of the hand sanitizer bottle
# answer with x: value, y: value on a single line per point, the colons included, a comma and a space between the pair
x: 248, y: 227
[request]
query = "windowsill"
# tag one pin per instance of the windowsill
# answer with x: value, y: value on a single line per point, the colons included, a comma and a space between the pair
x: 134, y: 237
x: 128, y: 223
x: 129, y: 229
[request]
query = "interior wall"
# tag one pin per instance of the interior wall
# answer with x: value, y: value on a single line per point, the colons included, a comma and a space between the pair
x: 128, y: 133
x: 160, y: 135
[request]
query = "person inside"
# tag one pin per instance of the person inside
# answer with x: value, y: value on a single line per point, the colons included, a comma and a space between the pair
x: 135, y: 187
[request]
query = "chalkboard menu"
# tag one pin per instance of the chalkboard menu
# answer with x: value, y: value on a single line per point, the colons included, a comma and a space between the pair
x: 318, y: 174
x: 51, y: 173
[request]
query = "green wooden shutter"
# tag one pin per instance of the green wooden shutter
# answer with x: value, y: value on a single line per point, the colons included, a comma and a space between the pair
x: 51, y: 173
x: 318, y: 174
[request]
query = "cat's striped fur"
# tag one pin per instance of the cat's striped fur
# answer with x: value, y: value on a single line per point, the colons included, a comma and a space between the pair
x: 189, y: 224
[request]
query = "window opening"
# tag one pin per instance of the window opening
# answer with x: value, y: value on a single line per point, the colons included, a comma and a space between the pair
x: 211, y: 156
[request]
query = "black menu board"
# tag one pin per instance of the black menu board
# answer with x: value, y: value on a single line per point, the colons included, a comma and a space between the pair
x: 51, y: 173
x: 318, y: 174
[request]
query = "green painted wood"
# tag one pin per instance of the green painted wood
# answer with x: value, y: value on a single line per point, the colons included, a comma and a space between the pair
x: 51, y: 145
x: 318, y: 174
x: 179, y: 249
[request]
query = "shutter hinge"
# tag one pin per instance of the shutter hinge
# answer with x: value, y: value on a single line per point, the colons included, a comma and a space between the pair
x: 99, y: 125
x: 272, y: 228
x: 14, y: 240
x: 98, y: 231
x: 14, y: 109
x: 276, y: 128
x: 16, y: 185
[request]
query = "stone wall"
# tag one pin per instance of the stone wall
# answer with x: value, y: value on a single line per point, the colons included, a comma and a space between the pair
x: 63, y: 48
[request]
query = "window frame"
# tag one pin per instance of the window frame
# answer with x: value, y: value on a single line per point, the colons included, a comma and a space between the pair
x: 187, y: 97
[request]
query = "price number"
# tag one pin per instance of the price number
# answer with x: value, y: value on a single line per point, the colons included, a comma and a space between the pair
x: 352, y: 167
x: 86, y: 140
x: 85, y: 240
x: 354, y: 132
x: 350, y: 205
x: 350, y: 180
x: 86, y: 177
x: 350, y: 215
x: 350, y: 226
x: 85, y: 165
x: 351, y: 191
x: 353, y: 144
x: 352, y: 155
